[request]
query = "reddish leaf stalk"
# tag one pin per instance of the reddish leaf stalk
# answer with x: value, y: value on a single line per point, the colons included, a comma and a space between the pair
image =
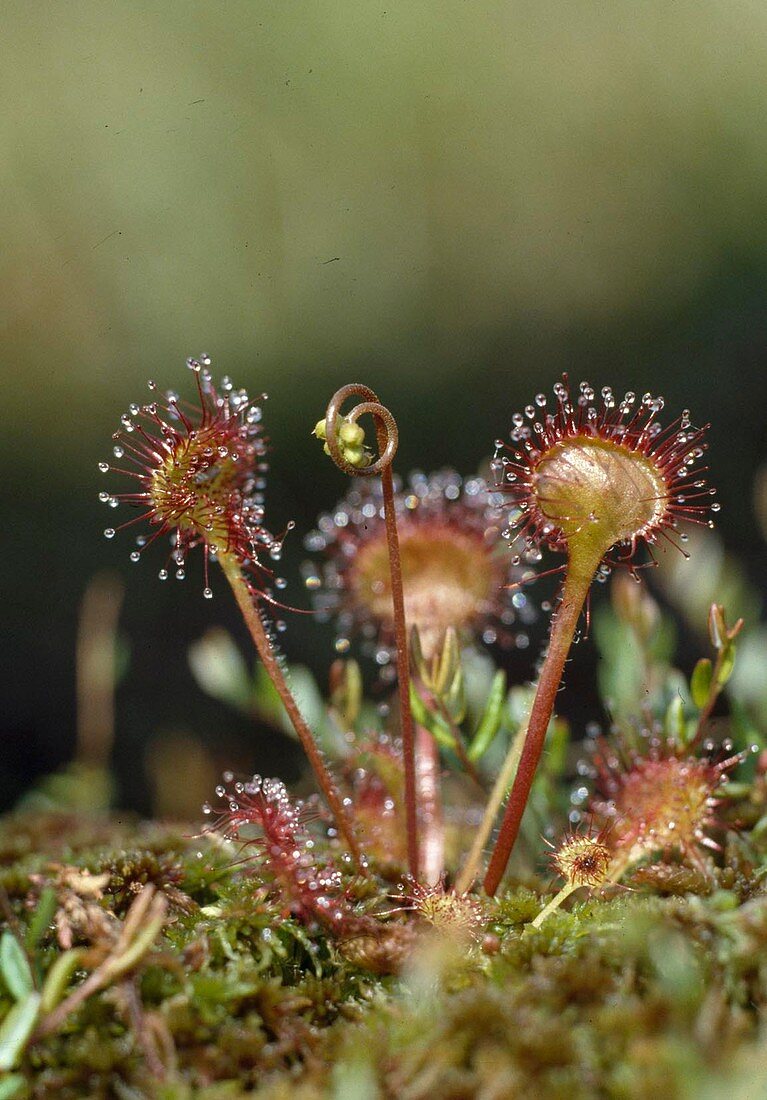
x: 577, y: 583
x: 252, y: 617
x: 387, y: 435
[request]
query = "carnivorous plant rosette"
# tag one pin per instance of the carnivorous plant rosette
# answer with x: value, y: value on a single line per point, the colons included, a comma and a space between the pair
x: 659, y: 798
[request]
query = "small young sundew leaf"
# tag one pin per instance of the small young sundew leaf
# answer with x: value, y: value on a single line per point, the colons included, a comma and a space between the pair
x: 15, y: 967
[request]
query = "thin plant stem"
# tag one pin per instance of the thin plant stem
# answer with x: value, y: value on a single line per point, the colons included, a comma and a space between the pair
x: 555, y: 903
x: 403, y: 672
x: 427, y: 768
x: 580, y: 573
x: 501, y: 786
x: 387, y: 437
x: 254, y: 623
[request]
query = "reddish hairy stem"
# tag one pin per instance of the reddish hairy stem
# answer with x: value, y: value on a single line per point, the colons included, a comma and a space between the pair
x: 578, y: 579
x: 403, y: 673
x: 386, y: 433
x: 250, y: 614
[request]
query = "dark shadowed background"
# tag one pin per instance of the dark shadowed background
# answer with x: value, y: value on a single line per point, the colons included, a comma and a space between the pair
x: 450, y: 202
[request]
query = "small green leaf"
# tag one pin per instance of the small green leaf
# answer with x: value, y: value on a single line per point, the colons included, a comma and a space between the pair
x: 41, y: 918
x: 726, y: 664
x: 16, y: 1029
x: 448, y: 664
x: 10, y: 1086
x: 673, y: 722
x: 436, y: 726
x: 455, y: 699
x: 490, y: 722
x: 735, y: 790
x: 15, y: 967
x: 219, y: 669
x: 700, y: 682
x: 57, y: 978
x: 555, y: 757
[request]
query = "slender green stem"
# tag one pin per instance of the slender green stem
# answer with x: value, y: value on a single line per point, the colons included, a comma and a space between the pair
x: 250, y: 613
x: 580, y: 573
x: 555, y: 903
x: 506, y: 775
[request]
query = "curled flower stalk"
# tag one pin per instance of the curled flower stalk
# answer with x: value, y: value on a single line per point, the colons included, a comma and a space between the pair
x: 590, y: 479
x: 199, y: 478
x: 344, y: 441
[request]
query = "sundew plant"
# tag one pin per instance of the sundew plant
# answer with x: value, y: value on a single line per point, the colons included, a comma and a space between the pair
x: 472, y: 899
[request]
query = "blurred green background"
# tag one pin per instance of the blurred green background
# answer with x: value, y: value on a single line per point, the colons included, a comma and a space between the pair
x: 452, y: 202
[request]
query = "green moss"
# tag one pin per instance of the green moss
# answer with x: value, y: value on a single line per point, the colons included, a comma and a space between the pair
x: 617, y: 997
